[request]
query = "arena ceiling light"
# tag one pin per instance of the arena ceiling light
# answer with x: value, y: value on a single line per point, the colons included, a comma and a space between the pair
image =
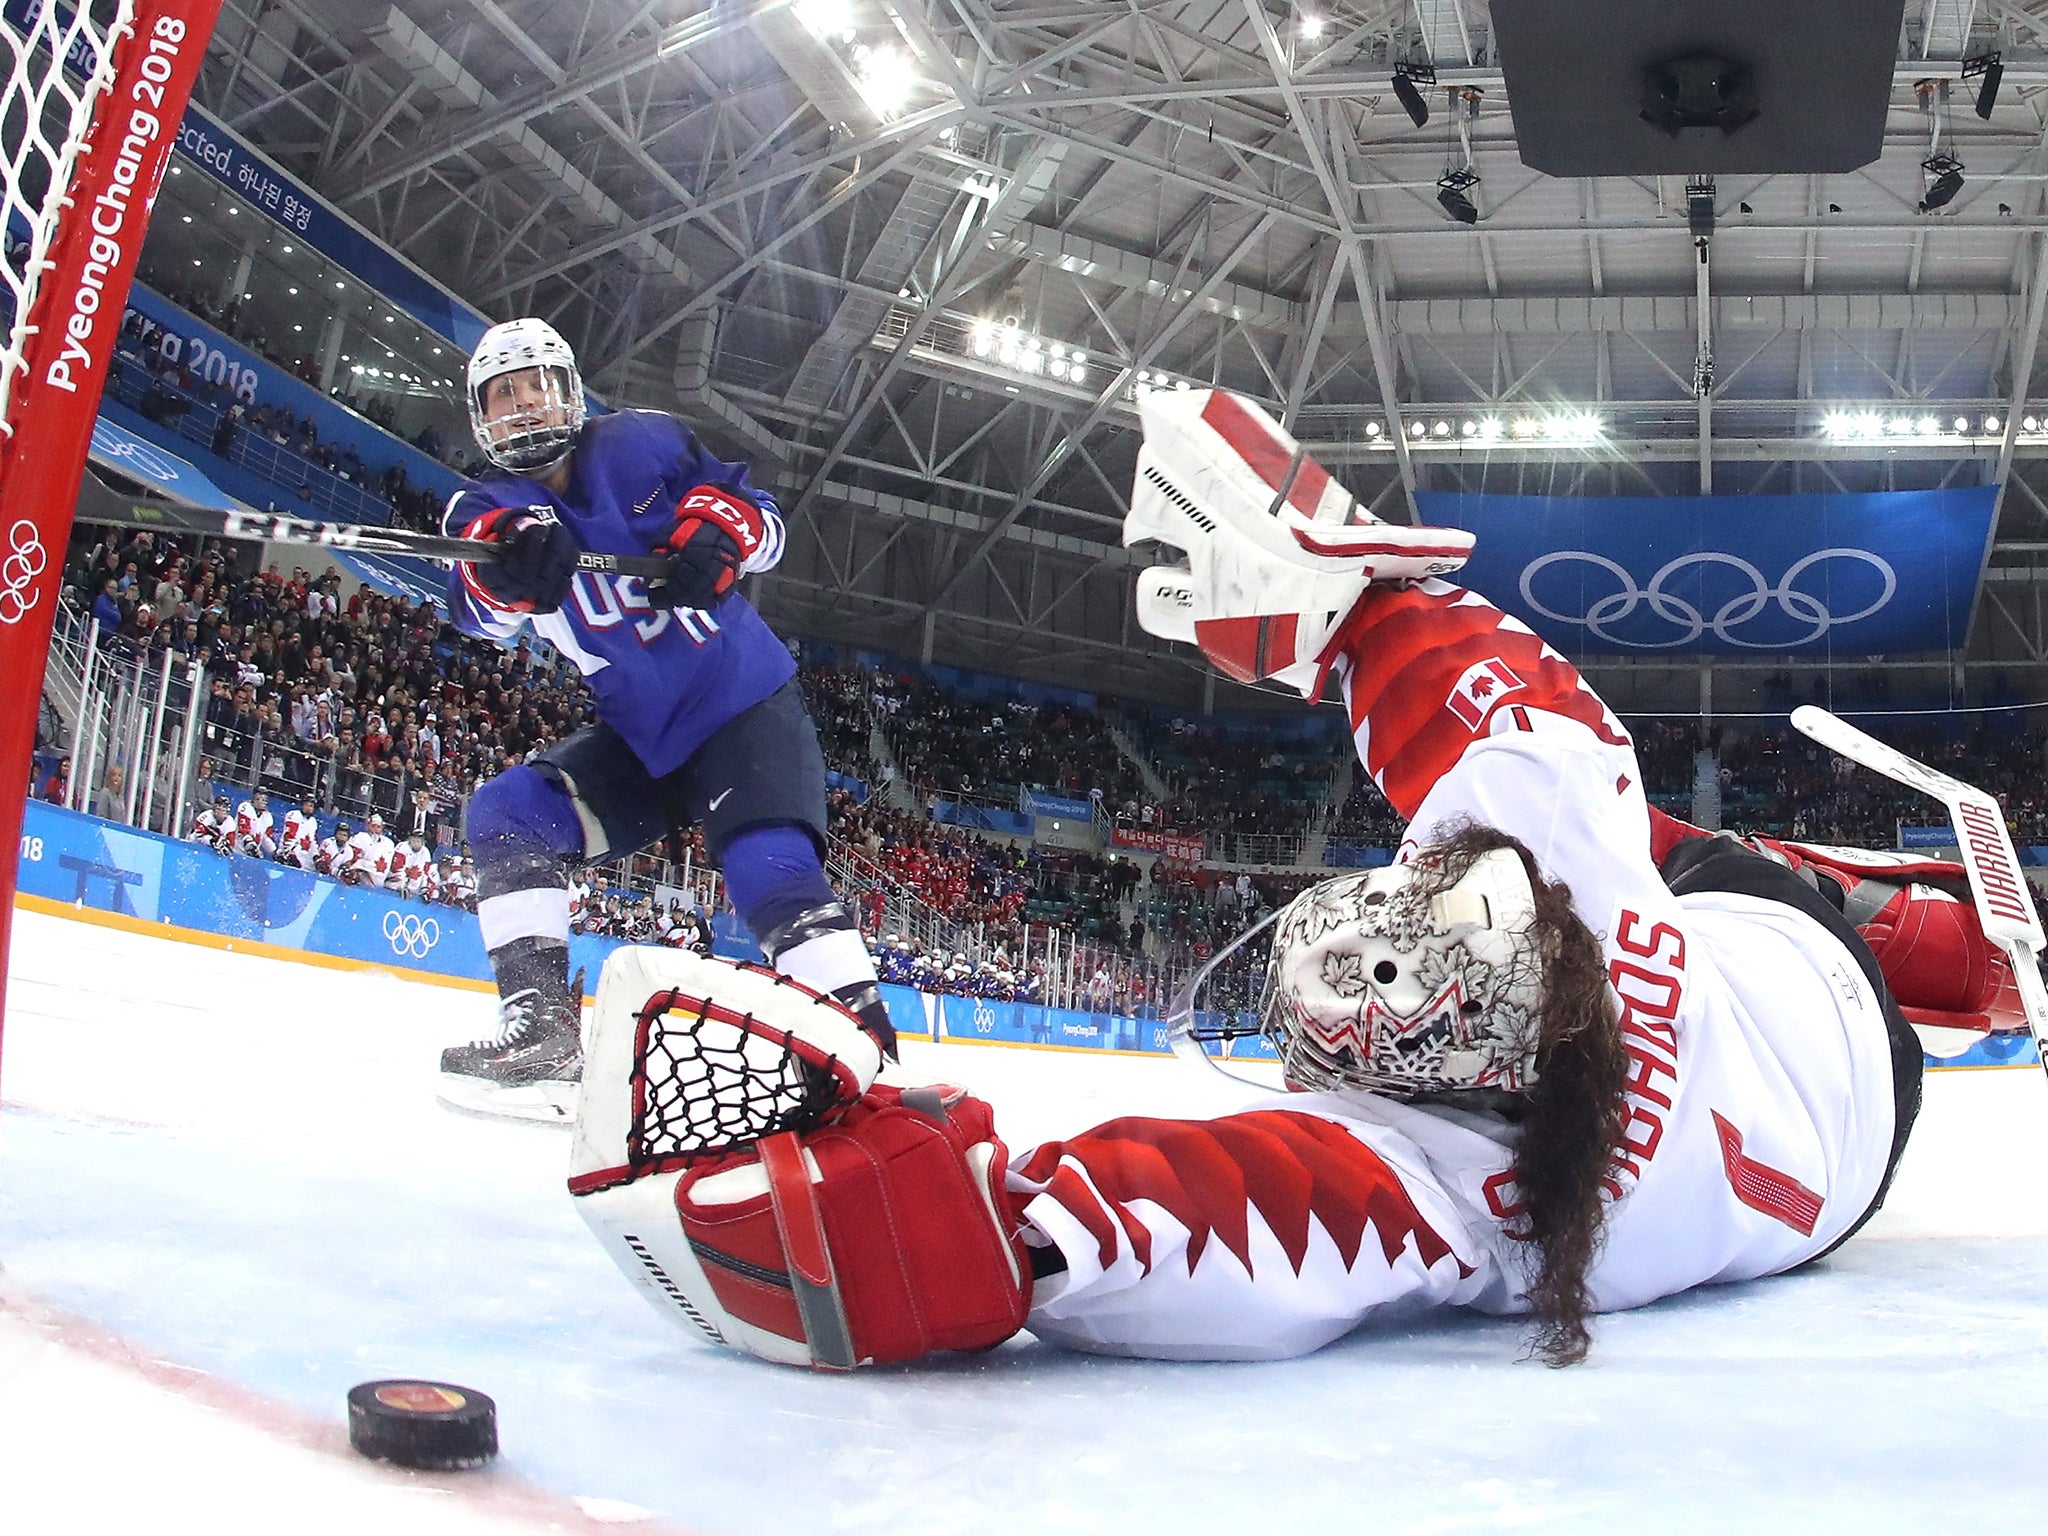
x: 887, y: 78
x: 1870, y: 426
x: 1573, y: 428
x: 830, y: 21
x: 1562, y: 429
x: 1006, y: 343
x: 1312, y: 26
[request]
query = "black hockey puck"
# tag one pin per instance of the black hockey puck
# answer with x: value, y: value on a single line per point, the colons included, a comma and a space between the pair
x: 427, y: 1425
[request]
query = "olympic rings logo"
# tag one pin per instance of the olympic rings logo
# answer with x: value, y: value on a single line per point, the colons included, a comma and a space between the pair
x: 411, y: 934
x: 1802, y: 607
x: 23, y: 563
x: 152, y: 463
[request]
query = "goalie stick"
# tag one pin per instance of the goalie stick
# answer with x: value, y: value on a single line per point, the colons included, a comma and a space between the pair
x: 102, y: 506
x: 2004, y: 905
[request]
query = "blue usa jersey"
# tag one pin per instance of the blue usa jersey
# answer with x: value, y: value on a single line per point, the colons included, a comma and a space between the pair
x: 665, y: 679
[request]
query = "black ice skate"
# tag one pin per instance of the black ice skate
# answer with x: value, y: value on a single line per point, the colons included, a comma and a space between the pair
x: 529, y: 1071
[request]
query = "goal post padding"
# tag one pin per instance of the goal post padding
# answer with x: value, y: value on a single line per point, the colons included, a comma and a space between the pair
x: 87, y: 227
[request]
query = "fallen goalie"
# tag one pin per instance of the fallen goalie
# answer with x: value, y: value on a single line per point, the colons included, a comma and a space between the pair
x: 1565, y: 1056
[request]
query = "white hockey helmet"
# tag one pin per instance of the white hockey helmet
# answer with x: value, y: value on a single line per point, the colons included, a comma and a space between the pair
x: 534, y: 440
x: 1404, y: 980
x: 1278, y: 552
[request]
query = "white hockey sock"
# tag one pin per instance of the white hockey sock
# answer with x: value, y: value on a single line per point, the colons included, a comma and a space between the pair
x: 828, y: 962
x: 532, y: 914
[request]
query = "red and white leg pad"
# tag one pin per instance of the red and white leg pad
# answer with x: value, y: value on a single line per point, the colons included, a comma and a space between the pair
x: 1278, y: 552
x: 869, y: 1225
x: 1916, y: 915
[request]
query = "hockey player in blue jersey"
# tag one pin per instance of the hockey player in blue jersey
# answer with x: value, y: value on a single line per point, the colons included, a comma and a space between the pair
x: 700, y: 716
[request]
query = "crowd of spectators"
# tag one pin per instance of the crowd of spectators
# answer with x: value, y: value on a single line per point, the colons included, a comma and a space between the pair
x: 1778, y: 782
x: 966, y: 879
x: 1364, y: 819
x: 960, y: 746
x: 838, y: 698
x: 370, y: 705
x: 599, y: 907
x: 1021, y: 899
x: 1240, y: 779
x: 1666, y: 749
x: 301, y: 364
x: 909, y: 963
x: 175, y: 391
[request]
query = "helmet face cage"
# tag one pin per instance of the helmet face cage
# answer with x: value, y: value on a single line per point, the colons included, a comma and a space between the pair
x: 1408, y: 980
x: 540, y: 438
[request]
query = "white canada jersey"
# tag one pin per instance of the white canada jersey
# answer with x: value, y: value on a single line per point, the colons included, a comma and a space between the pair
x: 1760, y: 1118
x: 412, y: 870
x: 214, y: 828
x: 1760, y: 1097
x: 369, y: 859
x: 300, y: 842
x: 253, y: 831
x: 331, y: 857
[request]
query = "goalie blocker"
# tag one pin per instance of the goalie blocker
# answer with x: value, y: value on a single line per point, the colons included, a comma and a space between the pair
x: 736, y: 1157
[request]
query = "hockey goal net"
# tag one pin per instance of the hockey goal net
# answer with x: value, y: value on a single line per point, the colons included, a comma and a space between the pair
x: 94, y: 96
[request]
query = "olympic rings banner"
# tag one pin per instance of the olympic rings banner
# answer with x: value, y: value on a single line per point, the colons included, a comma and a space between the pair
x: 78, y: 859
x: 1849, y: 575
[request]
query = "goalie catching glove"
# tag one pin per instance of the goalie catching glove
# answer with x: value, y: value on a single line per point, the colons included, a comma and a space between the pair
x: 735, y: 1157
x: 1278, y: 552
x: 716, y: 533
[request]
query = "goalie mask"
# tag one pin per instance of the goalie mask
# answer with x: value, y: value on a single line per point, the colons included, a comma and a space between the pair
x: 536, y: 435
x: 1277, y: 551
x: 1405, y: 980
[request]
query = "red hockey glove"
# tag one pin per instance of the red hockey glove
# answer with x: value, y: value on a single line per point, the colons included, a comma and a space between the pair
x: 1934, y: 956
x: 535, y: 564
x: 735, y: 1157
x: 716, y: 532
x: 1917, y: 916
x: 884, y: 1236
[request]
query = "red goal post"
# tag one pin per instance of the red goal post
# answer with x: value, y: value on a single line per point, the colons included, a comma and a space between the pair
x: 94, y: 96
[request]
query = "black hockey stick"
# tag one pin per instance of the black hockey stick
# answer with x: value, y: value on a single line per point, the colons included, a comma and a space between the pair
x: 265, y: 527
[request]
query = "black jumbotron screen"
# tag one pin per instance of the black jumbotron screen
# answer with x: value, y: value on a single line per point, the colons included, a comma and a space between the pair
x: 1821, y: 72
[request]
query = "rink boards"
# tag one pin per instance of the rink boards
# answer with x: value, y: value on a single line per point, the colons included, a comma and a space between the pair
x: 82, y: 866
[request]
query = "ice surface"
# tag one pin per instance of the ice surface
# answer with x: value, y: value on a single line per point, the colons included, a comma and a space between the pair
x: 226, y: 1195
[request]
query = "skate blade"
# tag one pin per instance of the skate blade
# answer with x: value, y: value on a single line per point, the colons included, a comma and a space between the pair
x: 542, y: 1103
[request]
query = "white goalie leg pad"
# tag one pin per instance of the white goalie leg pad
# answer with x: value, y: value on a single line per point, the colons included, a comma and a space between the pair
x: 638, y: 1226
x: 1278, y: 552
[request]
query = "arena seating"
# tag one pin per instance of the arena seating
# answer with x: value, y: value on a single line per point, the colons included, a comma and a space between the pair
x: 375, y: 705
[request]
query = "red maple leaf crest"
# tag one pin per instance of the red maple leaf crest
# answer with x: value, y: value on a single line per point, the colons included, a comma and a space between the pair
x: 1482, y: 685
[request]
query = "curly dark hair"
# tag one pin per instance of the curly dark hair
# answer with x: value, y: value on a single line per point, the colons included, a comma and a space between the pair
x: 1573, y: 1115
